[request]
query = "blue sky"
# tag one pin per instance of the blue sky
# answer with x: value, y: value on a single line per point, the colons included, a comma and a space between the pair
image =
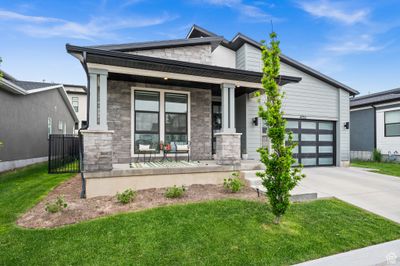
x: 355, y: 42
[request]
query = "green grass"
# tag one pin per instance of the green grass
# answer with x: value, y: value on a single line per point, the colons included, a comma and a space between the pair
x: 233, y: 232
x: 382, y: 167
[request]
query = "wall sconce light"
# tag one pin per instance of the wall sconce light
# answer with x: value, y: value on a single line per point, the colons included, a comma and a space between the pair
x: 347, y: 125
x: 255, y: 121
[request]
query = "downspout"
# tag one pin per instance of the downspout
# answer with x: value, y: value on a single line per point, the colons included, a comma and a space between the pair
x: 373, y: 106
x: 81, y: 166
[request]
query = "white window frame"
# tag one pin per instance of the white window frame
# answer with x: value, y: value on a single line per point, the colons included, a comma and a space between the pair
x: 49, y: 126
x: 161, y: 113
x: 76, y: 100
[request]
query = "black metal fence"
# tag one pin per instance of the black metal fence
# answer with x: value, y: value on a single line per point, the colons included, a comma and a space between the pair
x: 64, y: 153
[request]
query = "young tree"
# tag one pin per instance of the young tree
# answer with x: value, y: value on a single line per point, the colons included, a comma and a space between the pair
x: 280, y: 177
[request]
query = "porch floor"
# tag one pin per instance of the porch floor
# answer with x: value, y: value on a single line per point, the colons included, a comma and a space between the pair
x: 172, y: 167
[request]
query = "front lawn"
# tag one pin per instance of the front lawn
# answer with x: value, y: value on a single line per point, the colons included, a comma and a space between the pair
x: 382, y: 167
x: 234, y: 232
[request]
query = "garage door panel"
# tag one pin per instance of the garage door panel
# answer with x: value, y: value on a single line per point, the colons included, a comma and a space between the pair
x: 316, y: 141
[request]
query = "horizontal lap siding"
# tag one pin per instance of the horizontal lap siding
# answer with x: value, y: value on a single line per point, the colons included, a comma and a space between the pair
x: 253, y: 133
x: 310, y: 97
x: 344, y: 133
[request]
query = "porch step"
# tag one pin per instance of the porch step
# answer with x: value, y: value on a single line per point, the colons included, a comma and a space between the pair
x: 256, y: 183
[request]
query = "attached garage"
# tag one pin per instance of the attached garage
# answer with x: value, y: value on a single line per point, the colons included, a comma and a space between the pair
x: 316, y: 141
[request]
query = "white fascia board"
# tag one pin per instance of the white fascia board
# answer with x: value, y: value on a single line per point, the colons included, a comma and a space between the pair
x: 169, y: 75
x: 64, y: 95
x: 13, y: 87
x: 361, y: 108
x: 387, y: 104
x: 44, y: 89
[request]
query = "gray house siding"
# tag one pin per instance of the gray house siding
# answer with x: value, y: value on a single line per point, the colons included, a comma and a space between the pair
x: 253, y: 133
x: 362, y: 130
x: 119, y: 119
x: 240, y: 120
x: 23, y: 123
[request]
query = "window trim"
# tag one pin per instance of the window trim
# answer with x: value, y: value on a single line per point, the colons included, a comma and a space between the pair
x: 185, y: 113
x: 384, y: 124
x: 161, y: 114
x: 76, y: 100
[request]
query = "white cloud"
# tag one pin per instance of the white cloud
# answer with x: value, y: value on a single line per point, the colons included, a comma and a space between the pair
x: 354, y: 44
x: 97, y: 27
x: 9, y: 15
x: 334, y: 11
x: 247, y: 11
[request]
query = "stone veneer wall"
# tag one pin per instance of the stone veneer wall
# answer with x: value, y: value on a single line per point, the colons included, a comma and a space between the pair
x: 195, y: 54
x: 97, y: 150
x: 119, y: 119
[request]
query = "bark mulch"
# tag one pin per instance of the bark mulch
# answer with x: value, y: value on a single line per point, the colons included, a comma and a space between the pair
x: 85, y: 209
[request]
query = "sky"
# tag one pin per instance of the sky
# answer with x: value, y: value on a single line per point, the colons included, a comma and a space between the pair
x: 355, y: 42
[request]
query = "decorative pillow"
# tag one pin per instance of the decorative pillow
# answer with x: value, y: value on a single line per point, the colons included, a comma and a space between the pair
x: 144, y: 147
x: 182, y: 147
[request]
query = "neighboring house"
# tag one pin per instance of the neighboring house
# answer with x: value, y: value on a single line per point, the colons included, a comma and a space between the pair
x: 30, y: 111
x: 78, y: 97
x: 201, y: 90
x: 375, y: 124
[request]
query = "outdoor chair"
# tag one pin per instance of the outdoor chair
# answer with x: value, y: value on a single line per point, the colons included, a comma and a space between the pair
x: 145, y: 147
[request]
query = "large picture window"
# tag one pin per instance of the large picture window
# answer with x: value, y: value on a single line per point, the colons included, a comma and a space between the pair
x: 147, y: 118
x: 176, y: 118
x: 392, y: 123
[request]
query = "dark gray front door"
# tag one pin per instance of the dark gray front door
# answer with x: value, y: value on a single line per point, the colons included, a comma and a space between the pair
x: 316, y: 141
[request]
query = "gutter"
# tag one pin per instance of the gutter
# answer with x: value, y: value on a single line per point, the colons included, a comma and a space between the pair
x: 81, y: 166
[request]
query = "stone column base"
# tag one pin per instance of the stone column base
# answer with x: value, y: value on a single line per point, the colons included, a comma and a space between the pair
x: 97, y: 150
x: 228, y: 148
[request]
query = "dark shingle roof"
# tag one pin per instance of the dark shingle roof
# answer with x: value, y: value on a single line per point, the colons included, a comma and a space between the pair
x: 214, y: 40
x: 375, y: 98
x: 30, y: 85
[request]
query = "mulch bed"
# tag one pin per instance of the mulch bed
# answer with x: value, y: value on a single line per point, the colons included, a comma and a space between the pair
x: 85, y: 209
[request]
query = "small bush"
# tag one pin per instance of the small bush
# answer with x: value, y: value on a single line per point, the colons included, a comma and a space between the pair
x: 126, y: 196
x: 377, y: 155
x: 175, y: 192
x: 234, y: 183
x: 58, y: 205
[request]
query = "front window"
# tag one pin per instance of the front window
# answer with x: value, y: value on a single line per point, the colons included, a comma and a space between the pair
x: 176, y: 120
x: 75, y: 104
x: 392, y: 123
x: 147, y: 119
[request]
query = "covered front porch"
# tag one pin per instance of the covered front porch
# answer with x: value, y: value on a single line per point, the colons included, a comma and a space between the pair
x: 145, y: 175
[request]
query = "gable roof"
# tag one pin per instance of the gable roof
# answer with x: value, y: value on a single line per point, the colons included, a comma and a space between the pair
x: 130, y: 47
x: 376, y: 98
x: 240, y: 39
x: 117, y: 58
x: 21, y: 87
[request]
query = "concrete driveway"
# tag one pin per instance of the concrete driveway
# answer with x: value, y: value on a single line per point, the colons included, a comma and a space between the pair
x: 376, y: 193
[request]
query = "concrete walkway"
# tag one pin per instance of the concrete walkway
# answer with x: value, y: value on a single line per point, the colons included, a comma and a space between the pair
x: 382, y: 254
x: 374, y: 192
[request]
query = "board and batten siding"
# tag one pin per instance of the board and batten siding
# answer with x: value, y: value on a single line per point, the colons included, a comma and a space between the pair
x: 241, y: 58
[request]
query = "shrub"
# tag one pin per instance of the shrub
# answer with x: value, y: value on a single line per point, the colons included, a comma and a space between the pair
x: 377, y: 155
x: 234, y: 183
x: 175, y: 192
x: 58, y: 205
x: 126, y: 196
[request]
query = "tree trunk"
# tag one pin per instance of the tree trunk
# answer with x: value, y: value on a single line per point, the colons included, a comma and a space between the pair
x: 277, y: 219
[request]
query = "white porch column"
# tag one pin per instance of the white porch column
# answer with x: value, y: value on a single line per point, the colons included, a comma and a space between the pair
x: 228, y: 141
x: 98, y: 99
x: 228, y: 107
